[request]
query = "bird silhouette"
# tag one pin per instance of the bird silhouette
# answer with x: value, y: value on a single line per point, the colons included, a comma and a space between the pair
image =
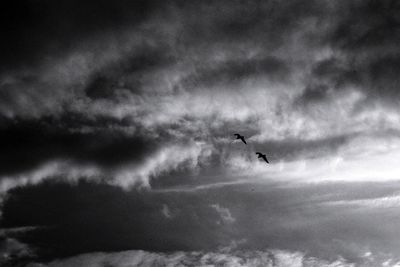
x: 241, y: 137
x: 262, y: 156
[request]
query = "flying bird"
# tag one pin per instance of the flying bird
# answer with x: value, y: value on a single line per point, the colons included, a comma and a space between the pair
x: 262, y: 156
x: 241, y: 137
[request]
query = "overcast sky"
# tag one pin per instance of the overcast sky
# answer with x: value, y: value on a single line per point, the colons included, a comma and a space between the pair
x: 117, y: 122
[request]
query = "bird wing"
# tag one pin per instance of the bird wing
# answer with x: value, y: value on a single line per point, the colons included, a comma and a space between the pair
x: 265, y: 158
x: 237, y: 135
x: 244, y: 141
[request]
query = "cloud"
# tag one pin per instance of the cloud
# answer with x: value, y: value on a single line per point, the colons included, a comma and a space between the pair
x: 225, y: 213
x: 139, y: 95
x: 53, y: 30
x: 171, y: 78
x: 166, y: 211
x: 277, y: 258
x: 382, y: 202
x: 165, y: 160
x: 230, y: 72
x: 12, y: 251
x: 48, y: 171
x: 28, y: 143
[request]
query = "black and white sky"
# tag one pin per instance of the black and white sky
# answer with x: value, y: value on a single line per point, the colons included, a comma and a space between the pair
x: 117, y: 122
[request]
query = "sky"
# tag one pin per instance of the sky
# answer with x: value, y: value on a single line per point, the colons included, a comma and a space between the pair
x: 117, y: 123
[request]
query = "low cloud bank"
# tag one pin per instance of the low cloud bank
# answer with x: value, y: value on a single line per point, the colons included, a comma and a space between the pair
x: 268, y: 258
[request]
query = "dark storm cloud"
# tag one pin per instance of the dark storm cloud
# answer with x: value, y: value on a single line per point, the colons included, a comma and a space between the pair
x: 38, y: 29
x: 385, y: 76
x: 313, y: 94
x: 264, y: 22
x: 335, y: 72
x: 376, y: 75
x: 363, y: 38
x: 29, y: 143
x: 364, y: 35
x: 232, y: 72
x: 130, y: 73
x: 365, y: 25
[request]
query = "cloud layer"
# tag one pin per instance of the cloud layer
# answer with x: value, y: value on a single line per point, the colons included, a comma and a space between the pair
x: 273, y: 258
x: 291, y: 76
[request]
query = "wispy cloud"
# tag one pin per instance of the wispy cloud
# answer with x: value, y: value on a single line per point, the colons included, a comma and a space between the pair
x: 165, y: 160
x: 381, y: 202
